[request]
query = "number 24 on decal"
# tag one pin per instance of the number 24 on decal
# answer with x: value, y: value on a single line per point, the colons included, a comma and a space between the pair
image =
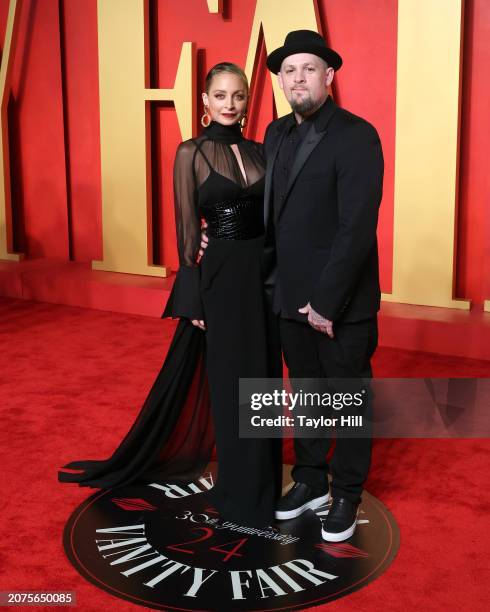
x: 208, y: 533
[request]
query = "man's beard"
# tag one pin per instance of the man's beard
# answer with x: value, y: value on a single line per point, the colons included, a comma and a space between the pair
x: 304, y: 106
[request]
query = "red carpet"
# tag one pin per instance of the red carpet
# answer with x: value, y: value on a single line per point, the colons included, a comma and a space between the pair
x: 72, y: 380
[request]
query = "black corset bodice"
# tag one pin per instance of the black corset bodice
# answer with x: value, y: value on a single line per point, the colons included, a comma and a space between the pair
x: 239, y: 219
x: 231, y: 212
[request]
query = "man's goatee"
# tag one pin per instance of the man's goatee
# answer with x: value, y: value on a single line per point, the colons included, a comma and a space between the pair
x: 304, y: 107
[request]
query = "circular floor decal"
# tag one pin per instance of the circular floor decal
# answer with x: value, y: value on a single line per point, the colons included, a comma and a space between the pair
x: 162, y: 546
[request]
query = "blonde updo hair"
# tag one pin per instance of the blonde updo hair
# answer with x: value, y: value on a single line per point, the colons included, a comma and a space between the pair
x: 227, y: 67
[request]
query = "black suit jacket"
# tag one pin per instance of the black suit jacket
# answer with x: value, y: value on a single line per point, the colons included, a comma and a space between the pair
x: 323, y: 248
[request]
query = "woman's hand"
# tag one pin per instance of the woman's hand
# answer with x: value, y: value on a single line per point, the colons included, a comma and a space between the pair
x: 198, y: 323
x: 204, y: 239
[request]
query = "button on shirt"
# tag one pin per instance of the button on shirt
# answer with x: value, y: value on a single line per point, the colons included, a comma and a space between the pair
x: 284, y: 162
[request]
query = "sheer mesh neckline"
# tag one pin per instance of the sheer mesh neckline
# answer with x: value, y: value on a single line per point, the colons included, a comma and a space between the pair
x: 246, y: 186
x: 213, y: 157
x: 199, y: 159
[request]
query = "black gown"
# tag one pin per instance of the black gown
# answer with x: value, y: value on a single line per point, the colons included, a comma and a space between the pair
x: 195, y: 395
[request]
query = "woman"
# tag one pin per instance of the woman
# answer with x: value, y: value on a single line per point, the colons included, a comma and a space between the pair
x: 218, y: 177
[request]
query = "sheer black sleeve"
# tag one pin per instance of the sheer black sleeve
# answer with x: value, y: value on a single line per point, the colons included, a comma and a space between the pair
x: 185, y: 299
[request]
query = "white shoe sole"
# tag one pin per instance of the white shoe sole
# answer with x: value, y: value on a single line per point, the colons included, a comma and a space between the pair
x: 284, y: 515
x: 341, y: 535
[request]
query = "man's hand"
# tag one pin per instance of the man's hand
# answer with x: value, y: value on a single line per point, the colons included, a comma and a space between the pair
x: 204, y: 239
x: 198, y: 323
x: 316, y: 320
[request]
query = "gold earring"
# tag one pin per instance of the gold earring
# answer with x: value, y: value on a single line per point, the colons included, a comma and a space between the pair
x: 243, y: 121
x: 205, y: 119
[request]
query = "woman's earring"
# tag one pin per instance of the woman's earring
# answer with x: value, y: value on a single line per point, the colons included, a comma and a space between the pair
x: 243, y: 121
x: 205, y: 119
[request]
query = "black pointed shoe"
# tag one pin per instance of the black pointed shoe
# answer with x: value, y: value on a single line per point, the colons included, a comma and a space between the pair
x: 341, y: 520
x: 299, y: 499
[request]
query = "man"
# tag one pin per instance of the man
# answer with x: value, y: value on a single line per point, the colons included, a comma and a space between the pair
x: 323, y: 190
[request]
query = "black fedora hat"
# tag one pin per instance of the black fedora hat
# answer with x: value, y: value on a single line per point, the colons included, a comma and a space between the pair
x: 303, y: 41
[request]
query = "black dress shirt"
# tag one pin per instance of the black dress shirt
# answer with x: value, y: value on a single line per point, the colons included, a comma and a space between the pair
x: 285, y: 157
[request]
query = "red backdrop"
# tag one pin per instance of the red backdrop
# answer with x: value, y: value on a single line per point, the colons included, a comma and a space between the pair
x: 54, y: 121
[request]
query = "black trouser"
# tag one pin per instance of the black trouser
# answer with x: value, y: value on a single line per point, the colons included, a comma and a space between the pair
x: 311, y: 354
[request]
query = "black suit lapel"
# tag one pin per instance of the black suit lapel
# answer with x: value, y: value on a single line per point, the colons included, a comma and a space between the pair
x: 269, y: 176
x: 310, y: 141
x: 316, y: 132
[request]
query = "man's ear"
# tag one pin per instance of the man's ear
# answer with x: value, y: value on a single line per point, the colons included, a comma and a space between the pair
x: 329, y: 74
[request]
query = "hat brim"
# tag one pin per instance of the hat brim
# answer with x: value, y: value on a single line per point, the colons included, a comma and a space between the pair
x: 275, y: 59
